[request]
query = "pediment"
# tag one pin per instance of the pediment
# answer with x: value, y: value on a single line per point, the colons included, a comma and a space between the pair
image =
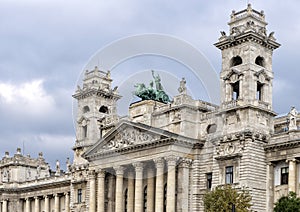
x: 262, y: 75
x: 233, y: 75
x: 129, y: 135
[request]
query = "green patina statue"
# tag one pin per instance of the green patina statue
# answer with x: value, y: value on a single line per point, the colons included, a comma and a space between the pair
x: 149, y: 93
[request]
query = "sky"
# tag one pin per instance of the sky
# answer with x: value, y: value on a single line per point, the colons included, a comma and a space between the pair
x: 45, y: 46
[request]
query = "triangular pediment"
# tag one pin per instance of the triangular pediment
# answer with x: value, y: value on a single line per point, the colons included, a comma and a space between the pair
x: 129, y: 135
x: 233, y: 72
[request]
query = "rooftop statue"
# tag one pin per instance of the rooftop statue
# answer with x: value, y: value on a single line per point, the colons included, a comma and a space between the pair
x: 149, y: 93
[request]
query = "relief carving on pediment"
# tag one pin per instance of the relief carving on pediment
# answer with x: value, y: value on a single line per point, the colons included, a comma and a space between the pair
x: 128, y: 137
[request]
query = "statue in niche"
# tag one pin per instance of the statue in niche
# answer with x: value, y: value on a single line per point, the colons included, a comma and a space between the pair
x: 292, y: 119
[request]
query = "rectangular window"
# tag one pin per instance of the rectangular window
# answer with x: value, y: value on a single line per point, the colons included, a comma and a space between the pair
x: 209, y: 180
x: 284, y: 175
x: 235, y: 90
x: 259, y: 91
x: 79, y: 195
x: 229, y: 175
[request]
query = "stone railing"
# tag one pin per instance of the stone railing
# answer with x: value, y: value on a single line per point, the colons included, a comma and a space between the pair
x: 249, y: 11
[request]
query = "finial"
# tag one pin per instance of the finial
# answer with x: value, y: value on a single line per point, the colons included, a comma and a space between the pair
x: 96, y: 68
x: 6, y: 154
x: 19, y: 151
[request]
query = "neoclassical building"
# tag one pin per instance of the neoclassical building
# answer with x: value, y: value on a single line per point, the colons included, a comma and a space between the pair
x: 166, y: 156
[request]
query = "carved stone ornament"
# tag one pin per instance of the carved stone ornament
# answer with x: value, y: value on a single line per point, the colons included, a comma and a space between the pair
x: 128, y: 137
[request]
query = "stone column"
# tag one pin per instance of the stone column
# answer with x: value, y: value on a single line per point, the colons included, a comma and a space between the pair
x: 270, y: 186
x: 101, y: 191
x: 292, y: 175
x: 196, y: 194
x: 111, y: 193
x: 36, y: 204
x: 150, y: 189
x: 4, y: 206
x: 119, y: 188
x: 171, y: 183
x: 56, y: 203
x: 67, y: 202
x: 159, y: 188
x: 46, y: 204
x: 139, y: 191
x: 183, y: 185
x: 130, y: 203
x: 92, y: 197
x: 27, y: 205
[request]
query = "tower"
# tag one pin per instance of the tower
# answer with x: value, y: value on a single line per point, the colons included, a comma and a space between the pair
x: 246, y: 76
x: 96, y: 110
x: 246, y: 114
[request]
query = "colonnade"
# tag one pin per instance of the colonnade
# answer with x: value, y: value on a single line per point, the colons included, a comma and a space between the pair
x: 28, y: 201
x: 138, y: 175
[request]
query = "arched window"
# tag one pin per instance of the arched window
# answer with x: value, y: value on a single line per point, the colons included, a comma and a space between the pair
x: 145, y: 199
x: 86, y: 109
x: 212, y: 128
x: 126, y: 200
x: 236, y: 61
x: 260, y: 61
x: 165, y: 198
x: 103, y: 109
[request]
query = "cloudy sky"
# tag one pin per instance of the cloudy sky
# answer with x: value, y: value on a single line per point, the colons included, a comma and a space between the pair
x: 45, y: 45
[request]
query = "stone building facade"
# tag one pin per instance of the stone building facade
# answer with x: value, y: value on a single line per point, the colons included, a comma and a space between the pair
x: 165, y: 157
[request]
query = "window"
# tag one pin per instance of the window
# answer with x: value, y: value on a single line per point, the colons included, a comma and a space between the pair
x: 212, y: 128
x: 126, y: 200
x: 235, y: 90
x: 103, y: 109
x: 145, y: 199
x: 86, y: 109
x: 229, y: 175
x: 260, y: 61
x: 284, y: 175
x: 259, y: 91
x: 84, y: 128
x: 236, y: 61
x: 209, y: 180
x: 79, y: 195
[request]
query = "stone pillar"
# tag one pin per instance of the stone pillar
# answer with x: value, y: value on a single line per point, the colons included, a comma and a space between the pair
x: 92, y: 197
x: 183, y: 185
x: 130, y: 203
x: 159, y: 188
x: 119, y: 188
x: 139, y: 191
x: 101, y: 191
x: 270, y: 187
x: 4, y: 206
x: 292, y: 175
x: 196, y: 194
x: 27, y: 205
x: 36, y: 204
x: 67, y: 202
x: 56, y: 203
x: 47, y: 206
x: 150, y: 189
x: 171, y: 183
x: 111, y: 193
